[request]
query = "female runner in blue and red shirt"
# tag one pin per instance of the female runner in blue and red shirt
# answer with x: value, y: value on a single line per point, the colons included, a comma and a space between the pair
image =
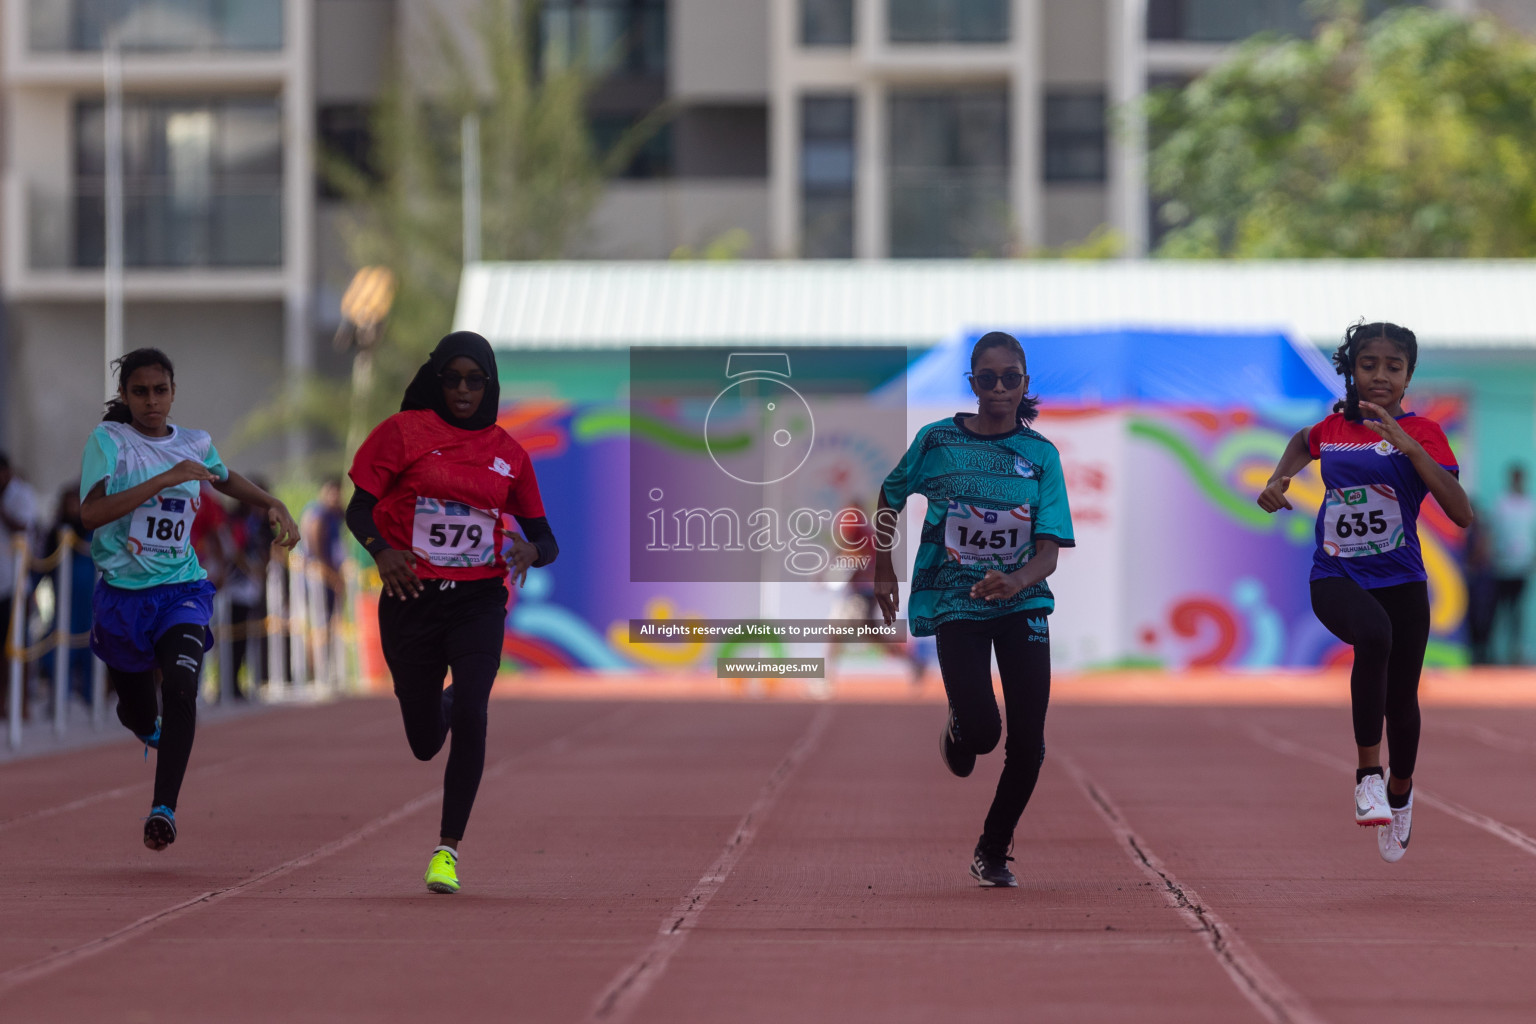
x: 1368, y: 581
x: 433, y: 482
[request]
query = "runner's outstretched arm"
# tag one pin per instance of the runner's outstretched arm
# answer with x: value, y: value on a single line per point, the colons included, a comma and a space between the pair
x: 1297, y: 454
x: 284, y: 531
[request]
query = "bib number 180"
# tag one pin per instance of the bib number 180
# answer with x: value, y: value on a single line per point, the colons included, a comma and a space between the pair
x: 160, y: 526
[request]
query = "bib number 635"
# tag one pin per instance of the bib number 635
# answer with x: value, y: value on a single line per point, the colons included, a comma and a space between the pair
x: 1360, y: 524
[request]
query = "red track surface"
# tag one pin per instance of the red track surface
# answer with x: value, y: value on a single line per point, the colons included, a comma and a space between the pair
x: 735, y: 861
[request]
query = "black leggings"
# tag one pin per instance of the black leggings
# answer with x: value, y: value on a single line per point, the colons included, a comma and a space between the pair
x: 1389, y: 629
x: 451, y: 625
x: 1023, y: 645
x: 179, y: 653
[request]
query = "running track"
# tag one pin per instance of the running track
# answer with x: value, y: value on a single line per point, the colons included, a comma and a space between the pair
x: 775, y: 861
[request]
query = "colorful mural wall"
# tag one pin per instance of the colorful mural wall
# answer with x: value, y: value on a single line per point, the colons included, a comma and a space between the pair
x: 1176, y: 566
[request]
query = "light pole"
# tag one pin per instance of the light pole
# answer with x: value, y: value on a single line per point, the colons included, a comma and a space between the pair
x: 112, y: 74
x: 469, y: 137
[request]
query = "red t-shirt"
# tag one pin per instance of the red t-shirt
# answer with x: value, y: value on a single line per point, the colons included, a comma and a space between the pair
x: 443, y: 491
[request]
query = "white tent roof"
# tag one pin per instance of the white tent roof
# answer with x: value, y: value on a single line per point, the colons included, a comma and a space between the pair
x: 1448, y: 303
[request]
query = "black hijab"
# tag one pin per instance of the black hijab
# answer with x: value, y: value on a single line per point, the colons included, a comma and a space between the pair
x: 426, y: 391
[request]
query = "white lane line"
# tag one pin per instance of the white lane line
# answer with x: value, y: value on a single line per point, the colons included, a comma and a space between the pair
x: 1488, y: 737
x: 200, y: 771
x: 630, y: 986
x: 69, y: 957
x: 1493, y: 826
x: 1276, y: 1001
x: 111, y: 794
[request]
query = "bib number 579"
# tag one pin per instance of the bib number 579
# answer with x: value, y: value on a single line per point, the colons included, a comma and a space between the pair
x: 454, y: 535
x: 1358, y: 524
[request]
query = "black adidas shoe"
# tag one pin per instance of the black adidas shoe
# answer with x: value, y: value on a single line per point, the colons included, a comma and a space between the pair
x: 160, y: 828
x: 991, y: 869
x: 956, y: 760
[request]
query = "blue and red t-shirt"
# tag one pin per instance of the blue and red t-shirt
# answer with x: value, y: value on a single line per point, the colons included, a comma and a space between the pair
x: 1367, y: 529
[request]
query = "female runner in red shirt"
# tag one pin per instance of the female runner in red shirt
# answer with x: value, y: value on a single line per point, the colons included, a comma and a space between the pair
x: 433, y: 482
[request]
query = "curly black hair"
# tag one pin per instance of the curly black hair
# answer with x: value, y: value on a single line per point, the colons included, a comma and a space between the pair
x: 1355, y: 339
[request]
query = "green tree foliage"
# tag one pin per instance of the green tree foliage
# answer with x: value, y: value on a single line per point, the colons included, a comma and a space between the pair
x: 1406, y: 136
x: 541, y: 177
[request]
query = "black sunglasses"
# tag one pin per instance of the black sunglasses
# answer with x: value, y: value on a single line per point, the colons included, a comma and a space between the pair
x: 986, y: 380
x: 452, y: 378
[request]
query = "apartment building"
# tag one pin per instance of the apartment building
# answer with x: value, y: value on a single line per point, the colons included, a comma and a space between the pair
x: 909, y: 128
x: 221, y: 222
x: 799, y: 128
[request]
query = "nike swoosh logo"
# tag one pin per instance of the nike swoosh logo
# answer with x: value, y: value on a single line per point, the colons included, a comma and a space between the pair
x: 1361, y: 810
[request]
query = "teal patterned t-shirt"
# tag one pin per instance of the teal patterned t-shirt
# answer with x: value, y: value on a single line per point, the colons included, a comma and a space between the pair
x: 990, y: 498
x: 152, y: 545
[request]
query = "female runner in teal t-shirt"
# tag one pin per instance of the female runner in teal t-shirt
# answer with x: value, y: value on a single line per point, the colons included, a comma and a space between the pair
x: 997, y: 516
x: 140, y: 477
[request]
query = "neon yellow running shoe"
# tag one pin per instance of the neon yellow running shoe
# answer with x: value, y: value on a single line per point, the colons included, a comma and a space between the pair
x: 442, y: 871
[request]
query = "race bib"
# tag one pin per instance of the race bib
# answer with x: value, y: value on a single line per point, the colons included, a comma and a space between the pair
x: 1360, y: 521
x: 162, y: 526
x: 988, y: 537
x: 451, y: 533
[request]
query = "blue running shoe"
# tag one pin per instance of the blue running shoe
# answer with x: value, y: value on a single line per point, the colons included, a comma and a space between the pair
x: 152, y: 740
x: 160, y: 828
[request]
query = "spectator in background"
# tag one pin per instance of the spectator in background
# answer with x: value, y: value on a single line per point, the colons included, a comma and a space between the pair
x: 1514, y: 546
x: 250, y: 542
x: 320, y: 537
x: 18, y: 516
x: 209, y: 534
x: 1482, y: 589
x: 82, y: 581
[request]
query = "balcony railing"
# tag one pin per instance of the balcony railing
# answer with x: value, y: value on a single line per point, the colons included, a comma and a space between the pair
x: 239, y: 225
x: 163, y: 26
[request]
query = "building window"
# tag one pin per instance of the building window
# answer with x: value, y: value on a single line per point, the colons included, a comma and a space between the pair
x: 827, y: 145
x: 947, y: 21
x: 202, y: 183
x: 1223, y: 21
x: 1075, y: 145
x: 346, y: 136
x: 607, y: 37
x: 721, y: 141
x: 949, y: 173
x: 155, y: 25
x: 826, y: 22
x: 653, y: 157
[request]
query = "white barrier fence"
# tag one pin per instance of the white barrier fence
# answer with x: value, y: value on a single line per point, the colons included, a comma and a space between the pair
x: 301, y: 649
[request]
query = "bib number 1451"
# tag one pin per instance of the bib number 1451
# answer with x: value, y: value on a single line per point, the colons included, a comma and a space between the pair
x: 992, y: 537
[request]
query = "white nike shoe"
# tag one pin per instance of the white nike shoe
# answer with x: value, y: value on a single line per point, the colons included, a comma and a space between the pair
x: 1371, y: 802
x: 1393, y: 839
